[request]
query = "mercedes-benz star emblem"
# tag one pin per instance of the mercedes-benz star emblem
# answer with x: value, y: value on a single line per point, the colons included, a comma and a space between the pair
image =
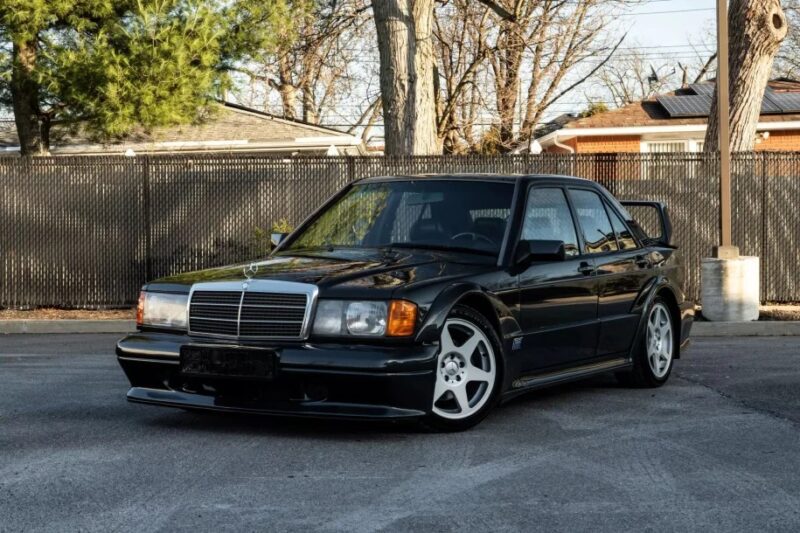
x: 250, y: 271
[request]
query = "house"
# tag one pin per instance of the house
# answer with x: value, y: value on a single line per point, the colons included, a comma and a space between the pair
x: 674, y: 122
x: 229, y: 128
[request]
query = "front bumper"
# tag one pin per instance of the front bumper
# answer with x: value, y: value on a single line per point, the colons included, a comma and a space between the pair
x: 317, y: 380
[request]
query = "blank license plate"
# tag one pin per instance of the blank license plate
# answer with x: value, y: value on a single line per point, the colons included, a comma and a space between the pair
x: 253, y: 363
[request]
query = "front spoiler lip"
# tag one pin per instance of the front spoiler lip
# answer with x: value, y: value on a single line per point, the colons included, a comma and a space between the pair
x: 171, y: 398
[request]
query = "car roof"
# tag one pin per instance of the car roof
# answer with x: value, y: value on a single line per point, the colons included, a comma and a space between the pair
x: 507, y: 178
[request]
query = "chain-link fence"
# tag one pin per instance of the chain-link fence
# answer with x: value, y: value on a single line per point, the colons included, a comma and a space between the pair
x: 89, y: 231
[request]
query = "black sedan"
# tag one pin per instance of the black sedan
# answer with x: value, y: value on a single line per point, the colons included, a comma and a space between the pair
x: 424, y: 297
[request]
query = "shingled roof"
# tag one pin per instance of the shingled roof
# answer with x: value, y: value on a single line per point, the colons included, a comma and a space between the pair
x: 229, y: 127
x: 651, y: 113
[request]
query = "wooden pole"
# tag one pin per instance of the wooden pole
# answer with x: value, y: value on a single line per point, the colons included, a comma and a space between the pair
x: 726, y: 248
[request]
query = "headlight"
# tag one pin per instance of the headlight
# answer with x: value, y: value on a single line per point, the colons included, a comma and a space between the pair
x: 396, y: 318
x: 161, y: 309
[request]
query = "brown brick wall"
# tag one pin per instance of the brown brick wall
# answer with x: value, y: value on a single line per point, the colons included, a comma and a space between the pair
x: 615, y: 144
x: 783, y: 141
x: 780, y: 141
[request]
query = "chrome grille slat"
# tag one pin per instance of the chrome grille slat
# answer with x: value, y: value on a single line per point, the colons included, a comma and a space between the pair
x: 258, y: 309
x: 221, y: 297
x: 273, y: 306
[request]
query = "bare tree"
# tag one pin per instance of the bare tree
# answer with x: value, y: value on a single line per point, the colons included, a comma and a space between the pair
x: 407, y: 75
x: 313, y: 73
x: 787, y: 63
x: 408, y: 87
x: 757, y: 28
x: 632, y: 78
x: 460, y: 29
x: 550, y: 48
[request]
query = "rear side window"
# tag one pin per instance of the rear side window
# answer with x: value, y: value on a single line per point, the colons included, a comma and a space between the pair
x: 594, y: 222
x: 624, y: 237
x: 547, y: 218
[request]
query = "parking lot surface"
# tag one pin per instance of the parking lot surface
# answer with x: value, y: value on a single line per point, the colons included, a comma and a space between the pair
x: 717, y: 449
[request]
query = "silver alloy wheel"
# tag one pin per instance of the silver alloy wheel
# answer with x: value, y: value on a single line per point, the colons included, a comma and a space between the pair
x: 465, y: 373
x: 659, y: 340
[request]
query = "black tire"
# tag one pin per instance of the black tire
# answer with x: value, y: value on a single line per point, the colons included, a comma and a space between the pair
x: 642, y: 374
x: 436, y: 423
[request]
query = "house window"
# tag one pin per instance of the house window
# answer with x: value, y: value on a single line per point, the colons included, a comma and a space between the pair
x: 666, y: 167
x: 667, y: 147
x: 671, y: 147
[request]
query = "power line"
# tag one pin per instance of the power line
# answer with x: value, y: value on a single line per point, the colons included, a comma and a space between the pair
x: 640, y: 13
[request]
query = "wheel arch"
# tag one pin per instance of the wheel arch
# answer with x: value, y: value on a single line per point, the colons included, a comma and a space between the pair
x: 660, y: 287
x: 477, y: 298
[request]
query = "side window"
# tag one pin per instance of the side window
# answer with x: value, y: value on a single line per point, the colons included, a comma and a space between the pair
x: 593, y: 219
x: 624, y: 237
x: 547, y: 218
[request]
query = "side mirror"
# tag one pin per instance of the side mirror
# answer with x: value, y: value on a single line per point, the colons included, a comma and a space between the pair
x: 276, y: 238
x: 531, y: 251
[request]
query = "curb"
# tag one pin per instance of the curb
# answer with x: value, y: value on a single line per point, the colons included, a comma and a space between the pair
x: 66, y: 326
x: 765, y: 328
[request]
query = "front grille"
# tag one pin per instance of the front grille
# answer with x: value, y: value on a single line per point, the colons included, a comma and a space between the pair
x: 256, y: 310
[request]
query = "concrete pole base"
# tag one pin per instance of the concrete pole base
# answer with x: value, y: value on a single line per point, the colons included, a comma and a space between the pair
x: 730, y: 289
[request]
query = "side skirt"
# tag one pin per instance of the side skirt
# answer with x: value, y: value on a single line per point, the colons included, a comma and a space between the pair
x: 521, y: 386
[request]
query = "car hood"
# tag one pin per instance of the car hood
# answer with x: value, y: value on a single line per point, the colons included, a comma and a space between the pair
x: 344, y: 274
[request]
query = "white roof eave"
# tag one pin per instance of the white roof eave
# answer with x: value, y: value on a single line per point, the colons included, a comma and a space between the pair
x: 569, y: 133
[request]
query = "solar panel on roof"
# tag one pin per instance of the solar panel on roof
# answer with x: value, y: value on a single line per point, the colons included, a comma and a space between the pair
x: 686, y: 106
x: 769, y: 105
x: 703, y: 89
x: 787, y: 102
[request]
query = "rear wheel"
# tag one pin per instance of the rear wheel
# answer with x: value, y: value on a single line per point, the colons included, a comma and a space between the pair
x: 653, y: 357
x: 467, y: 372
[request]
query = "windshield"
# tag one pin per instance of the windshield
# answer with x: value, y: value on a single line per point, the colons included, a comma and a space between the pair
x: 437, y: 214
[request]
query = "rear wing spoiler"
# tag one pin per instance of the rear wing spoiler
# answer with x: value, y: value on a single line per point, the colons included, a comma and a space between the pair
x: 657, y: 227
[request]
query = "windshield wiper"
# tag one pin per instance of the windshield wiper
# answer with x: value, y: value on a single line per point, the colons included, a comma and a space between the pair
x: 439, y: 247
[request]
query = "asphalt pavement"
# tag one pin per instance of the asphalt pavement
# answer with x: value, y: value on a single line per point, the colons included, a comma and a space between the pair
x: 717, y: 449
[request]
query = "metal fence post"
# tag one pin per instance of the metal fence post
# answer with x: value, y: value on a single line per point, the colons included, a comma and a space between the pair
x: 147, y: 226
x: 351, y: 169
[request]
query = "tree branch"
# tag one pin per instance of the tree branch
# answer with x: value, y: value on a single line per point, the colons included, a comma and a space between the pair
x: 499, y: 10
x: 705, y: 69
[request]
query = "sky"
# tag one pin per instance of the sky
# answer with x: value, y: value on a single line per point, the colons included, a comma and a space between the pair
x: 666, y: 32
x: 651, y: 26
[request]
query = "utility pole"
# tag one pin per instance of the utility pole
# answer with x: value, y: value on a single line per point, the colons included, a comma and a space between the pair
x: 725, y: 250
x: 729, y: 283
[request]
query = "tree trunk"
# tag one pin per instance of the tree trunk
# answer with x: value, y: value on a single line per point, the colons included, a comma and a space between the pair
x: 33, y: 132
x: 508, y: 84
x: 286, y: 88
x: 757, y: 28
x: 405, y: 45
x: 310, y: 114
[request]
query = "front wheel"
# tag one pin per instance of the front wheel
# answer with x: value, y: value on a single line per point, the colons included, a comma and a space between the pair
x: 467, y: 372
x: 653, y: 357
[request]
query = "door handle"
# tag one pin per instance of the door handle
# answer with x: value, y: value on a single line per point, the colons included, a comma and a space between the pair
x: 642, y: 261
x: 586, y: 269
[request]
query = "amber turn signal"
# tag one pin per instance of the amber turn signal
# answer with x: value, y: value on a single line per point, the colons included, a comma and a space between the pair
x: 140, y: 310
x: 402, y: 318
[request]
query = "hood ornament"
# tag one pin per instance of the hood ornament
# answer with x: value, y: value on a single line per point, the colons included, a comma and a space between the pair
x: 250, y: 271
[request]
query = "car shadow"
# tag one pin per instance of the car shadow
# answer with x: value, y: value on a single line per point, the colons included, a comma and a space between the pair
x: 339, y: 429
x: 274, y: 425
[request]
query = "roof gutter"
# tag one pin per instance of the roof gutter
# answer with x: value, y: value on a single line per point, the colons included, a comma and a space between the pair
x: 297, y: 145
x: 557, y: 144
x: 553, y: 137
